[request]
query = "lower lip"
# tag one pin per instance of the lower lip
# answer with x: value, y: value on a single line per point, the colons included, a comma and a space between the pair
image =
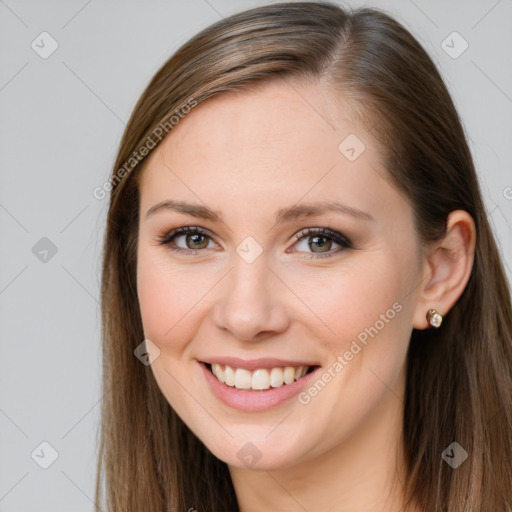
x: 254, y: 401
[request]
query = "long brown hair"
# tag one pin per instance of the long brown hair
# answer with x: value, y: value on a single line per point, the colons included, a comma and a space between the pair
x: 459, y: 377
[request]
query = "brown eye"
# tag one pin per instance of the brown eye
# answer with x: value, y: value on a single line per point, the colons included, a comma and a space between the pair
x: 194, y: 239
x: 317, y: 242
x: 320, y: 240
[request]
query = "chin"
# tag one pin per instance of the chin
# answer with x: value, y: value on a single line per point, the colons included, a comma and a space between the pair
x: 264, y: 455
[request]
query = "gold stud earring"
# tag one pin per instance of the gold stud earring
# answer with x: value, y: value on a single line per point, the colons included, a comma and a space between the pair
x: 434, y: 318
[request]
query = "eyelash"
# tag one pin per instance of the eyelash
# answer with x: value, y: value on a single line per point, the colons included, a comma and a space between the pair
x: 340, y: 239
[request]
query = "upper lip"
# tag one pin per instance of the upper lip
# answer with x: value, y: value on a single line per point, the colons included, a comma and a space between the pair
x: 255, y: 364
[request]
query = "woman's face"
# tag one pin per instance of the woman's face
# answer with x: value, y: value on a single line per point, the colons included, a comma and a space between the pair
x: 276, y: 281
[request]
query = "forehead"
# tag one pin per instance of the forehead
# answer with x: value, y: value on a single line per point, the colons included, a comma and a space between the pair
x: 259, y: 124
x: 274, y: 143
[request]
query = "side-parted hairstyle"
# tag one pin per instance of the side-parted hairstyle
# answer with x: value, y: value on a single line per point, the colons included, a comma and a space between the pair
x: 459, y: 377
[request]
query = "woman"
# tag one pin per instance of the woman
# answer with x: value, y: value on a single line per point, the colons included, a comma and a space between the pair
x: 244, y: 369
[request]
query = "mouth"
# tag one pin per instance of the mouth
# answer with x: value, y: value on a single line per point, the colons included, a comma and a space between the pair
x: 260, y: 379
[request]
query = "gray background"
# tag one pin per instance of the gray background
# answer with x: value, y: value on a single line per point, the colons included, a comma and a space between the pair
x: 61, y: 119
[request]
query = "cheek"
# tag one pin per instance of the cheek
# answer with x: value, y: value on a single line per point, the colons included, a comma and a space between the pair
x: 368, y: 307
x: 165, y: 297
x: 173, y: 300
x: 169, y: 318
x: 351, y: 302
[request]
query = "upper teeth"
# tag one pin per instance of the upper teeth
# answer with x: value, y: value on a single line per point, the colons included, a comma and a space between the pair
x: 258, y: 379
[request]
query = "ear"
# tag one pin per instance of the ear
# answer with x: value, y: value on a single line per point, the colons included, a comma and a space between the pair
x: 447, y: 267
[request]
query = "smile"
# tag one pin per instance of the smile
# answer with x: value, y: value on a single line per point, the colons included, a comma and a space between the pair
x: 257, y: 385
x: 260, y: 379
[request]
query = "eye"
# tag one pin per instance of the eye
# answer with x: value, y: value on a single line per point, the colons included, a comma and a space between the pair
x: 193, y: 239
x: 320, y: 241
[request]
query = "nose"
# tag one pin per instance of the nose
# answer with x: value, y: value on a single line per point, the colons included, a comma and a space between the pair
x: 250, y: 306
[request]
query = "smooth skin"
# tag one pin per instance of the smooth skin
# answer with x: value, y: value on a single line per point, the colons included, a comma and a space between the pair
x: 247, y: 155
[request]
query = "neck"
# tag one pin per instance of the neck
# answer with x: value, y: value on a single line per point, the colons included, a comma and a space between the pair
x: 363, y: 474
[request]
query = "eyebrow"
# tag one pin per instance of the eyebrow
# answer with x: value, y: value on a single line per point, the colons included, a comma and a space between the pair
x: 283, y: 215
